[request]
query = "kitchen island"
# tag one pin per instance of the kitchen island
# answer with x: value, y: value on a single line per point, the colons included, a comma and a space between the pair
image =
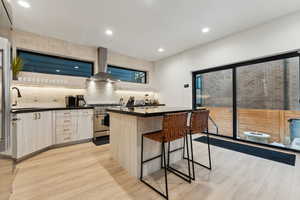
x: 126, y: 128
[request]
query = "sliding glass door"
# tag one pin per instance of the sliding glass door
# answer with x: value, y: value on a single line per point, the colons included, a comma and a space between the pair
x: 268, y: 109
x: 214, y: 91
x: 256, y: 101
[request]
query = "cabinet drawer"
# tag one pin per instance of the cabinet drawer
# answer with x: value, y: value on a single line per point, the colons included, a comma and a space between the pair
x: 66, y: 113
x: 63, y: 138
x: 85, y: 112
x: 60, y: 130
x: 65, y: 122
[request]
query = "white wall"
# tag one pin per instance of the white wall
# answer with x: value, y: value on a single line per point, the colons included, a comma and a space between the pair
x: 275, y: 37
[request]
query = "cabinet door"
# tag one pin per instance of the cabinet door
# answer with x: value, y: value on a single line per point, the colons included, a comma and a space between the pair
x: 44, y: 130
x: 85, y: 124
x: 26, y: 134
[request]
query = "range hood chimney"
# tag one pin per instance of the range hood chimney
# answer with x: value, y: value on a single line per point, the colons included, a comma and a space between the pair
x: 102, y: 74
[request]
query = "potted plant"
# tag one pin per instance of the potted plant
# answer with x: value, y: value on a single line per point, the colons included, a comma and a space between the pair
x: 17, y: 65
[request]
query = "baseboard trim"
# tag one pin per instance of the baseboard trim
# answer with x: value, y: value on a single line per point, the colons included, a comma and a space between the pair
x: 54, y: 146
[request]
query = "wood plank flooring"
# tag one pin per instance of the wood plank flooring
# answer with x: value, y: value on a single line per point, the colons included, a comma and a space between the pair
x: 87, y: 172
x: 6, y: 177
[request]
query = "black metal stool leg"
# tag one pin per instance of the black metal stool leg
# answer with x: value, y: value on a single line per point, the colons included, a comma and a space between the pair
x: 142, y: 157
x: 192, y: 155
x: 208, y: 147
x: 176, y: 172
x: 166, y: 166
x: 142, y: 162
x: 209, y: 156
x: 188, y: 154
x: 166, y: 176
x: 161, y: 160
x: 168, y: 162
x: 183, y: 152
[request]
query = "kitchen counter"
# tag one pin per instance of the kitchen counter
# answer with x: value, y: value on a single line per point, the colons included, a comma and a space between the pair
x: 126, y: 128
x: 150, y: 111
x: 29, y: 110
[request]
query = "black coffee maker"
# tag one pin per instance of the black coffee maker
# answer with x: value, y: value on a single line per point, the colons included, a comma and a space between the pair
x: 70, y: 101
x: 80, y: 101
x: 130, y: 102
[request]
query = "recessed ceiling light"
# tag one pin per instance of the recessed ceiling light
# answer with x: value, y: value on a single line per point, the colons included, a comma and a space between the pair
x: 57, y: 70
x: 76, y: 67
x: 109, y: 32
x: 160, y: 50
x: 24, y: 4
x: 205, y: 30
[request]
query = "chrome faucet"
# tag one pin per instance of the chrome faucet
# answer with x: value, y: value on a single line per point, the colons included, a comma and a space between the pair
x: 19, y: 95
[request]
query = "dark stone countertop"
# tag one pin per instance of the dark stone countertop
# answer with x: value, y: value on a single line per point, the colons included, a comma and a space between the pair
x: 149, y: 111
x: 29, y: 110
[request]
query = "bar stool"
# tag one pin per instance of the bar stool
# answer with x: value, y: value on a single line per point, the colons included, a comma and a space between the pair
x: 174, y: 127
x: 198, y: 124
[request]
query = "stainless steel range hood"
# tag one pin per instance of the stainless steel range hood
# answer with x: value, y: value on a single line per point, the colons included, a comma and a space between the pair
x: 102, y: 74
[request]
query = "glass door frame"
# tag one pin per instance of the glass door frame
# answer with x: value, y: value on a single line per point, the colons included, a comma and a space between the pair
x: 234, y: 91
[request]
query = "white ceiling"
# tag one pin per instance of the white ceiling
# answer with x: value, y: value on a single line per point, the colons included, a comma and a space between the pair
x: 142, y: 26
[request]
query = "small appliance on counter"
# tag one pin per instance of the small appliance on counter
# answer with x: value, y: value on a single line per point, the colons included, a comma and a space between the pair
x: 121, y: 101
x: 130, y: 102
x: 147, y: 99
x: 70, y: 101
x: 80, y: 101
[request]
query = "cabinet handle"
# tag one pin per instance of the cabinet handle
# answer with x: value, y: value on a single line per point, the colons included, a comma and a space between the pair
x: 39, y: 115
x: 34, y: 116
x: 15, y: 119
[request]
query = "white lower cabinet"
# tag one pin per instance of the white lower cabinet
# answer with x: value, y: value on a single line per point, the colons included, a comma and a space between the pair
x: 85, y: 124
x: 73, y: 125
x: 33, y: 131
x: 45, y: 130
x: 65, y: 126
x: 38, y: 130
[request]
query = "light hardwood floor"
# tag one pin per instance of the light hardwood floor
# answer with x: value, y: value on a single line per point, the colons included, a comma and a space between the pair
x: 87, y: 172
x: 6, y: 177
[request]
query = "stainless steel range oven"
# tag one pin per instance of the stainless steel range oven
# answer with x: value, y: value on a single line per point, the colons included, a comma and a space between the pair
x: 101, y: 124
x: 101, y: 119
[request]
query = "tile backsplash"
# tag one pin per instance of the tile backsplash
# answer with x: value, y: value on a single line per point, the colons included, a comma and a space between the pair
x: 33, y: 96
x: 96, y: 92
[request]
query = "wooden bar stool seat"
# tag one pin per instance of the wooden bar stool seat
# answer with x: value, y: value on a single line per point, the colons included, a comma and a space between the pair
x: 174, y: 127
x: 156, y: 136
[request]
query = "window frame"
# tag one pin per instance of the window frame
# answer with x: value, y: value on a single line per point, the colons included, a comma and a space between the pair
x: 234, y: 67
x: 19, y: 50
x: 130, y: 69
x: 200, y: 88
